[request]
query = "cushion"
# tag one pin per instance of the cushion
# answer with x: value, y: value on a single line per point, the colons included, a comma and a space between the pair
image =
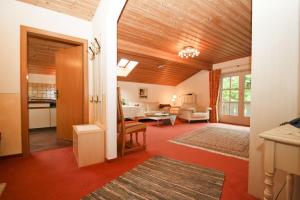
x: 143, y: 105
x: 199, y: 114
x: 152, y: 106
x: 189, y: 105
x: 134, y: 127
x: 189, y: 109
x: 201, y: 109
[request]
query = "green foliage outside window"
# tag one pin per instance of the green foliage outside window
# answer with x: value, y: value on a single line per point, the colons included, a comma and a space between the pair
x: 226, y: 83
x: 234, y: 96
x: 248, y: 81
x: 247, y: 95
x: 235, y: 82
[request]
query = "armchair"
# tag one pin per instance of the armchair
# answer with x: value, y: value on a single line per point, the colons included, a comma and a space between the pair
x: 192, y: 112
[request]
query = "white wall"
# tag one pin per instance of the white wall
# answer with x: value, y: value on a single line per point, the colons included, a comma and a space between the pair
x: 236, y: 65
x: 275, y: 77
x: 13, y: 14
x: 105, y: 28
x: 197, y: 84
x: 156, y: 93
x: 42, y: 78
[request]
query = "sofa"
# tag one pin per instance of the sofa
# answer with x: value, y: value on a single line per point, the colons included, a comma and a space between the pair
x: 193, y: 112
x: 141, y: 110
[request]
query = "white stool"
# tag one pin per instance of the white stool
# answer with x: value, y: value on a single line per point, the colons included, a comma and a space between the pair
x: 88, y: 144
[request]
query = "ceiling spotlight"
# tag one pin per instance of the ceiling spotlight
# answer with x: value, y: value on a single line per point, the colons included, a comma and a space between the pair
x: 161, y: 66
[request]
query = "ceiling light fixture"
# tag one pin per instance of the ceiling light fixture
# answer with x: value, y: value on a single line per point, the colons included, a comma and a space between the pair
x: 188, y: 52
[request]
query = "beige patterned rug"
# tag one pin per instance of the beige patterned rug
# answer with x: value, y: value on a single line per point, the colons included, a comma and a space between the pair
x: 163, y: 178
x: 224, y: 139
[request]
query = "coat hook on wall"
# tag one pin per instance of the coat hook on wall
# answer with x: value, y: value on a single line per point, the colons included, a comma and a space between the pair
x: 94, y: 49
x: 96, y: 46
x: 91, y: 53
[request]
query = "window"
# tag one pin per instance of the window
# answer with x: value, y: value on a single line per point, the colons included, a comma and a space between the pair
x: 235, y: 98
x: 125, y: 66
x: 230, y: 95
x: 247, y: 95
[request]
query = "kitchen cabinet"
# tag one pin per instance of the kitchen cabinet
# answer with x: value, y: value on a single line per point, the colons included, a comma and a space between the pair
x: 41, y: 117
x: 52, y: 117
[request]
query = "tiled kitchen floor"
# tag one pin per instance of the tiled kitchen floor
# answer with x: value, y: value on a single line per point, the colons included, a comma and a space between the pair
x: 44, y: 139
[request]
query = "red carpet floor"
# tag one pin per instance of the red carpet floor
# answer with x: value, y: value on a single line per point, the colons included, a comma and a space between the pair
x: 53, y: 174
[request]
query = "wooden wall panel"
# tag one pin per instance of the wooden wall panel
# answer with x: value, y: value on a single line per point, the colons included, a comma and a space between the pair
x: 41, y: 54
x: 84, y: 9
x: 10, y: 124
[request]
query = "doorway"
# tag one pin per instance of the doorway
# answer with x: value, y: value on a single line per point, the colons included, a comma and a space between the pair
x: 235, y: 98
x: 53, y: 87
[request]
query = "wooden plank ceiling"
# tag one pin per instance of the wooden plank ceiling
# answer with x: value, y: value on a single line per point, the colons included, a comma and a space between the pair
x: 84, y: 9
x: 41, y: 55
x: 154, y: 31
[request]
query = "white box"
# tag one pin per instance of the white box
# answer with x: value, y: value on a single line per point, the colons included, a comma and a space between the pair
x: 88, y: 144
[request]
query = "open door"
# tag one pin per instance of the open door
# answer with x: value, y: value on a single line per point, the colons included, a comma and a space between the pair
x: 69, y: 83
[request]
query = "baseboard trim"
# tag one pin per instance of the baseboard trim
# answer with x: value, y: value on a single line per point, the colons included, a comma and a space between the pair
x: 11, y: 156
x: 111, y: 160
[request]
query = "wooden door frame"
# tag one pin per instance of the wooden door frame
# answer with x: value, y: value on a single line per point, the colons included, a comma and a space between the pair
x: 25, y: 31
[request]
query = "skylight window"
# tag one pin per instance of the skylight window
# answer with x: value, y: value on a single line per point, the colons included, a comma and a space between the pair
x: 125, y: 67
x: 132, y: 64
x: 123, y: 62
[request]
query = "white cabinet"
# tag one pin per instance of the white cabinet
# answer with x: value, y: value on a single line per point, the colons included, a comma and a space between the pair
x: 281, y: 152
x: 39, y: 118
x: 42, y: 117
x: 52, y: 117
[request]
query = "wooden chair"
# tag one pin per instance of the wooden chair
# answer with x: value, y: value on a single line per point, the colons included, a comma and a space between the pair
x: 125, y: 129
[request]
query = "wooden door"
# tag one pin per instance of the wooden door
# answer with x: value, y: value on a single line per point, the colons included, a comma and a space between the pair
x: 235, y: 98
x: 69, y: 83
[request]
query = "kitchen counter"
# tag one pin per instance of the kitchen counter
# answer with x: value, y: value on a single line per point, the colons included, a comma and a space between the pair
x: 41, y: 103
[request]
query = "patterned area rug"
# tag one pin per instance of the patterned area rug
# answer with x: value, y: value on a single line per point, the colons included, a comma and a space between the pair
x: 224, y: 139
x: 163, y: 178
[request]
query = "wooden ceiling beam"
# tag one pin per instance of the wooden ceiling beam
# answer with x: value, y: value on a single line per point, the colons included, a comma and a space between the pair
x: 131, y: 47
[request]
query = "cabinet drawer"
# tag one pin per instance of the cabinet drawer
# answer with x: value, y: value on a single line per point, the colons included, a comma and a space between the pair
x: 287, y: 158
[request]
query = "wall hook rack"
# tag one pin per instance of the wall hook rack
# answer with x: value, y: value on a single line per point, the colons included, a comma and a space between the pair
x: 94, y: 49
x: 91, y: 53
